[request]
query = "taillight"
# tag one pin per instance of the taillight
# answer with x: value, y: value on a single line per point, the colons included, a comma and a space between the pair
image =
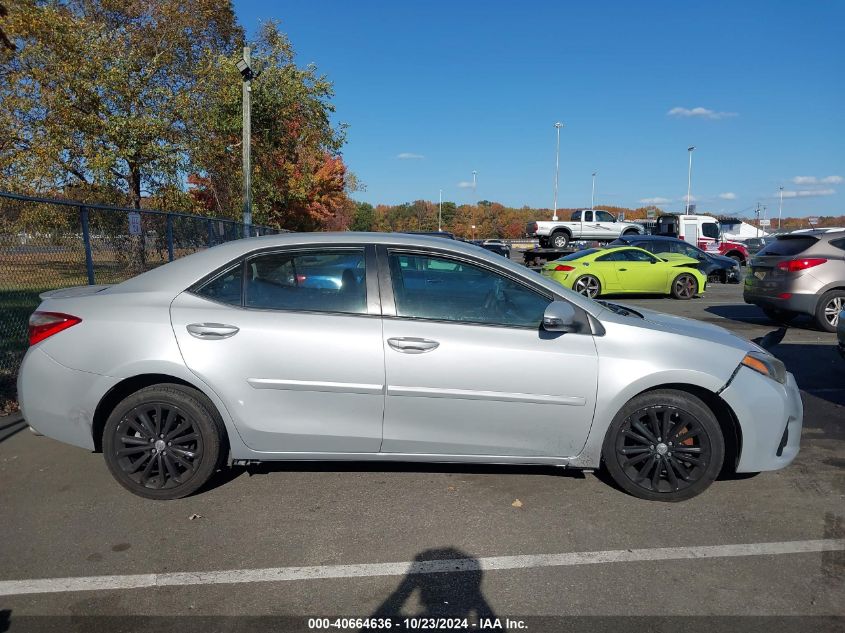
x: 794, y: 265
x: 536, y: 227
x: 564, y: 268
x: 43, y: 325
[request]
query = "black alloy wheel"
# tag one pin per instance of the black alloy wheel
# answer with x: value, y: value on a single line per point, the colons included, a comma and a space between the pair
x: 162, y: 442
x: 666, y: 446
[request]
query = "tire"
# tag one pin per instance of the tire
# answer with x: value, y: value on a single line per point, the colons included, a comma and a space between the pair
x: 684, y: 286
x: 544, y: 242
x: 828, y: 308
x: 186, y: 453
x: 738, y: 259
x: 560, y: 239
x: 587, y: 285
x: 645, y: 465
x: 631, y: 232
x: 779, y: 316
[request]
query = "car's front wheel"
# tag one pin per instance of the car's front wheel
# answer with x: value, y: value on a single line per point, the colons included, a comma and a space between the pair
x: 664, y: 445
x: 162, y: 442
x: 684, y: 286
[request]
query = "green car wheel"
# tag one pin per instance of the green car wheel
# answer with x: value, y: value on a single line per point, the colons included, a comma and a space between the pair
x: 588, y: 286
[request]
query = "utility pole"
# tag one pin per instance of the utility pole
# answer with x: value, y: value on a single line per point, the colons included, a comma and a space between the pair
x: 690, y: 150
x: 757, y: 216
x: 246, y: 74
x: 593, y: 196
x: 440, y: 212
x: 780, y: 206
x: 558, y: 125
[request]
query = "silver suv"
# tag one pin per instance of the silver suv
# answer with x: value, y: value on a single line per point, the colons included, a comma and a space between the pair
x: 800, y: 273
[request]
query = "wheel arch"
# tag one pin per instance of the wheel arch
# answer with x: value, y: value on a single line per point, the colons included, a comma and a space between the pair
x: 130, y: 385
x: 561, y: 229
x: 737, y: 254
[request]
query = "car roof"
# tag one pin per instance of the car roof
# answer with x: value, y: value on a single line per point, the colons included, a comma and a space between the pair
x: 661, y: 238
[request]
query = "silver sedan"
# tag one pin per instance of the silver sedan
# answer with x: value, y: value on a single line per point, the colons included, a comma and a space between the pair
x: 394, y: 347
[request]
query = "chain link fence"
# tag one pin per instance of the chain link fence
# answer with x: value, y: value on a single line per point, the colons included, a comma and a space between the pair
x: 47, y: 244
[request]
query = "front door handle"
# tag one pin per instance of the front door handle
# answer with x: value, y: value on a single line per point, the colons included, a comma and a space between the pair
x: 622, y: 270
x: 211, y: 331
x: 412, y: 345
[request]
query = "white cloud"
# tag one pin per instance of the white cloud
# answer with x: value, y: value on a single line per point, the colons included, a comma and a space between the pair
x: 409, y: 156
x: 728, y: 195
x: 809, y: 193
x: 465, y: 184
x: 699, y: 112
x: 812, y: 180
x: 657, y: 200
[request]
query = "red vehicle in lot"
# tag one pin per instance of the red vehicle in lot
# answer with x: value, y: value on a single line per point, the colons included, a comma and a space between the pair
x: 702, y: 231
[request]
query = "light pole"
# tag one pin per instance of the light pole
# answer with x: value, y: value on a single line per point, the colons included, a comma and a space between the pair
x: 690, y: 150
x: 473, y: 231
x: 558, y: 125
x: 474, y: 174
x: 780, y: 206
x: 440, y: 212
x: 593, y: 196
x: 246, y: 74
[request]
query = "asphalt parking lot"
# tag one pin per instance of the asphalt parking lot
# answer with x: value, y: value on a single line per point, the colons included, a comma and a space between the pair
x: 337, y: 539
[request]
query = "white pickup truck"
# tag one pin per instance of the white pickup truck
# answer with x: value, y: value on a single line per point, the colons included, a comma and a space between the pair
x: 585, y: 224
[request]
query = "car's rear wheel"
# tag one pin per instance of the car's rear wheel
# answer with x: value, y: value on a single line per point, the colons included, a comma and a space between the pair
x: 684, y: 286
x: 588, y: 286
x: 664, y: 445
x: 828, y: 309
x: 560, y: 239
x: 162, y: 442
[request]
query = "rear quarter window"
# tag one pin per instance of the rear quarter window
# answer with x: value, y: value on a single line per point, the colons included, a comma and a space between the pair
x: 788, y: 245
x: 840, y: 244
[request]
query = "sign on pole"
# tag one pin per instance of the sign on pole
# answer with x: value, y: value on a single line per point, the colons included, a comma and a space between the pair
x: 813, y: 221
x: 650, y: 213
x: 134, y: 223
x: 765, y: 222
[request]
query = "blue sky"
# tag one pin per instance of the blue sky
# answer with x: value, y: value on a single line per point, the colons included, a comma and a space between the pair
x: 434, y: 90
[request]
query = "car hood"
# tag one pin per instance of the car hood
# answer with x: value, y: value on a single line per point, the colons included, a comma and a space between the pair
x: 691, y: 328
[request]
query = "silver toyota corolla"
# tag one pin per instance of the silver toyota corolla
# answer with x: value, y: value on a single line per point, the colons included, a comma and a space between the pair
x: 359, y: 346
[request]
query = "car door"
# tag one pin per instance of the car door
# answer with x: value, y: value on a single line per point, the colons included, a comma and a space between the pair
x: 291, y: 342
x: 469, y: 370
x: 641, y: 272
x: 607, y: 227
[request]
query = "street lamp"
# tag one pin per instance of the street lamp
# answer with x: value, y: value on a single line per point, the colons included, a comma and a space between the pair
x: 690, y: 150
x: 593, y: 196
x: 473, y: 231
x: 440, y: 212
x: 474, y: 174
x: 780, y: 207
x: 245, y: 69
x: 558, y: 125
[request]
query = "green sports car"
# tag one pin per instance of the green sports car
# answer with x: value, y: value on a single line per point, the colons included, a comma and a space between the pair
x: 599, y: 271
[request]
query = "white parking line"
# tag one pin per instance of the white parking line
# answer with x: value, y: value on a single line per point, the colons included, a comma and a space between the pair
x: 276, y: 574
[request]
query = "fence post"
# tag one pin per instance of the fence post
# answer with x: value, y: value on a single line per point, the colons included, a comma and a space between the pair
x: 170, y: 237
x: 210, y: 233
x: 86, y: 239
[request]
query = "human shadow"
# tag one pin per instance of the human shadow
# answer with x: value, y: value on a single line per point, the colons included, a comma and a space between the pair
x: 440, y: 583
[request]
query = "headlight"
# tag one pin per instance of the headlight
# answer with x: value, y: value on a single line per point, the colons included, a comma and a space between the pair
x: 766, y: 364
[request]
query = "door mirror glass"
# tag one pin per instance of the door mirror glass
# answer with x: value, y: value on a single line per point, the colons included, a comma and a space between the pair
x: 559, y: 317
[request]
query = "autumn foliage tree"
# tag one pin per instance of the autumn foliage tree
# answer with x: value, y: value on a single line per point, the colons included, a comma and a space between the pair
x: 300, y: 181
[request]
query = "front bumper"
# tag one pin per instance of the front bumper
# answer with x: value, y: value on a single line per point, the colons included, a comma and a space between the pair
x: 770, y: 417
x: 57, y: 401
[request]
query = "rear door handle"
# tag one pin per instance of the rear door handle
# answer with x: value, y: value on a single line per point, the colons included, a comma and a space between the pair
x: 412, y: 345
x: 622, y: 270
x: 211, y: 331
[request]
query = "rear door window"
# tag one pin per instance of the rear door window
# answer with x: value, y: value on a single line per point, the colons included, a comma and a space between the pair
x: 788, y: 245
x: 325, y: 280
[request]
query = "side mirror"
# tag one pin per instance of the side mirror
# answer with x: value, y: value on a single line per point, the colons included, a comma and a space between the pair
x: 559, y: 317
